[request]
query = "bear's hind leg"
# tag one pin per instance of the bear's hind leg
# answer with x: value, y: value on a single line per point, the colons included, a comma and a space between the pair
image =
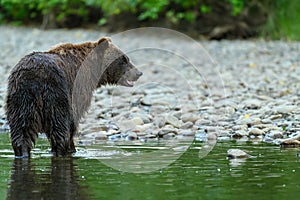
x: 58, y: 137
x: 22, y: 151
x: 73, y: 130
x: 58, y: 127
x: 22, y: 141
x: 23, y: 131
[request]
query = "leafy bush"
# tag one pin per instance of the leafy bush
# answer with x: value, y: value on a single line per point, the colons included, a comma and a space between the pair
x: 25, y: 10
x: 282, y: 22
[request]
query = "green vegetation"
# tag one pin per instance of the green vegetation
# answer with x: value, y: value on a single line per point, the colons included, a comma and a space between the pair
x: 24, y: 10
x: 281, y: 21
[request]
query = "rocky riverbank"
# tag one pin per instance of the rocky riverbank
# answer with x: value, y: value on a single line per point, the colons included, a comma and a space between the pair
x: 246, y: 90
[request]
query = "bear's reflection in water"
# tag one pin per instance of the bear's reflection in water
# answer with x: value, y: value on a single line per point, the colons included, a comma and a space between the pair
x: 28, y: 181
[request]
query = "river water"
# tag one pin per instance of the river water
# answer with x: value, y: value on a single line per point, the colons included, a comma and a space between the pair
x: 271, y: 173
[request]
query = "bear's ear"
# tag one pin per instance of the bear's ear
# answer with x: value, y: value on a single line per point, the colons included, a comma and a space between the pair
x: 104, y: 41
x: 101, y: 45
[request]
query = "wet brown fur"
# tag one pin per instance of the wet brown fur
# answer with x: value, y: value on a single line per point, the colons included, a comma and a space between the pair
x: 50, y: 91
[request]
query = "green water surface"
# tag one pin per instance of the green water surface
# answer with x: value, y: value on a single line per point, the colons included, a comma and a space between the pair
x: 272, y: 174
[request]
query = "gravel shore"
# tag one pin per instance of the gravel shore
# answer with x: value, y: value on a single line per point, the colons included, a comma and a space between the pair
x: 247, y: 90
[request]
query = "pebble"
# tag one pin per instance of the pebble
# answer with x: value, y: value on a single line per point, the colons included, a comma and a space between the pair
x: 187, y: 125
x: 273, y: 117
x: 159, y: 121
x: 284, y: 109
x: 131, y: 136
x: 290, y: 143
x: 275, y: 134
x: 240, y: 133
x: 209, y: 129
x: 137, y: 121
x: 237, y: 153
x: 170, y: 119
x: 202, y: 122
x: 189, y: 117
x: 146, y: 101
x: 169, y: 136
x: 252, y: 104
x: 212, y: 136
x: 143, y: 128
x: 239, y: 127
x: 101, y: 136
x: 256, y: 132
x: 186, y: 132
x: 251, y: 121
x: 167, y: 130
x: 256, y: 106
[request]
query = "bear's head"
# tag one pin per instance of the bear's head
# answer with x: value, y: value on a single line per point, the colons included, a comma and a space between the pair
x: 117, y: 68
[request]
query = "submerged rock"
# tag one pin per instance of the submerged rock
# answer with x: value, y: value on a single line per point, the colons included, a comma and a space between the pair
x: 290, y: 143
x: 237, y: 153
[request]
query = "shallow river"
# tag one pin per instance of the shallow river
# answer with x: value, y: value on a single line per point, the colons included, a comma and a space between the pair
x: 272, y: 173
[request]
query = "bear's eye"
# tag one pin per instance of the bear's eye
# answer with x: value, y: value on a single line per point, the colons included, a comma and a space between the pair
x: 125, y: 59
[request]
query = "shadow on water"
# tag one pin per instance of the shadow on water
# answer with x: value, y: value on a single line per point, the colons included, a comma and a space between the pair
x: 57, y: 180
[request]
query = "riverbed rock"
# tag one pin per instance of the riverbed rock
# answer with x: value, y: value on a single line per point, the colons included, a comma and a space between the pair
x: 166, y: 130
x: 240, y: 133
x: 275, y: 134
x: 256, y: 132
x: 239, y: 127
x: 137, y: 121
x: 290, y: 143
x: 212, y: 136
x: 237, y: 153
x: 169, y: 136
x: 250, y: 121
x: 146, y: 101
x: 131, y: 136
x: 189, y: 117
x: 101, y: 136
x: 284, y: 109
x: 159, y: 121
x: 188, y: 132
x: 187, y: 125
x: 260, y: 102
x: 170, y: 119
x: 143, y: 128
x: 252, y: 104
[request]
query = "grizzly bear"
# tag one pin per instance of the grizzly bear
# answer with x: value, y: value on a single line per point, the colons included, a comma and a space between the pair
x: 49, y: 92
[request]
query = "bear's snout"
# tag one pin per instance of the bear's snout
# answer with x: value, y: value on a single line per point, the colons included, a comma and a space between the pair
x: 139, y: 73
x: 130, y: 77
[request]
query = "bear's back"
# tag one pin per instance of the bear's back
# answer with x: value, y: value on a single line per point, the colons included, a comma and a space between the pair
x: 38, y: 64
x: 37, y: 72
